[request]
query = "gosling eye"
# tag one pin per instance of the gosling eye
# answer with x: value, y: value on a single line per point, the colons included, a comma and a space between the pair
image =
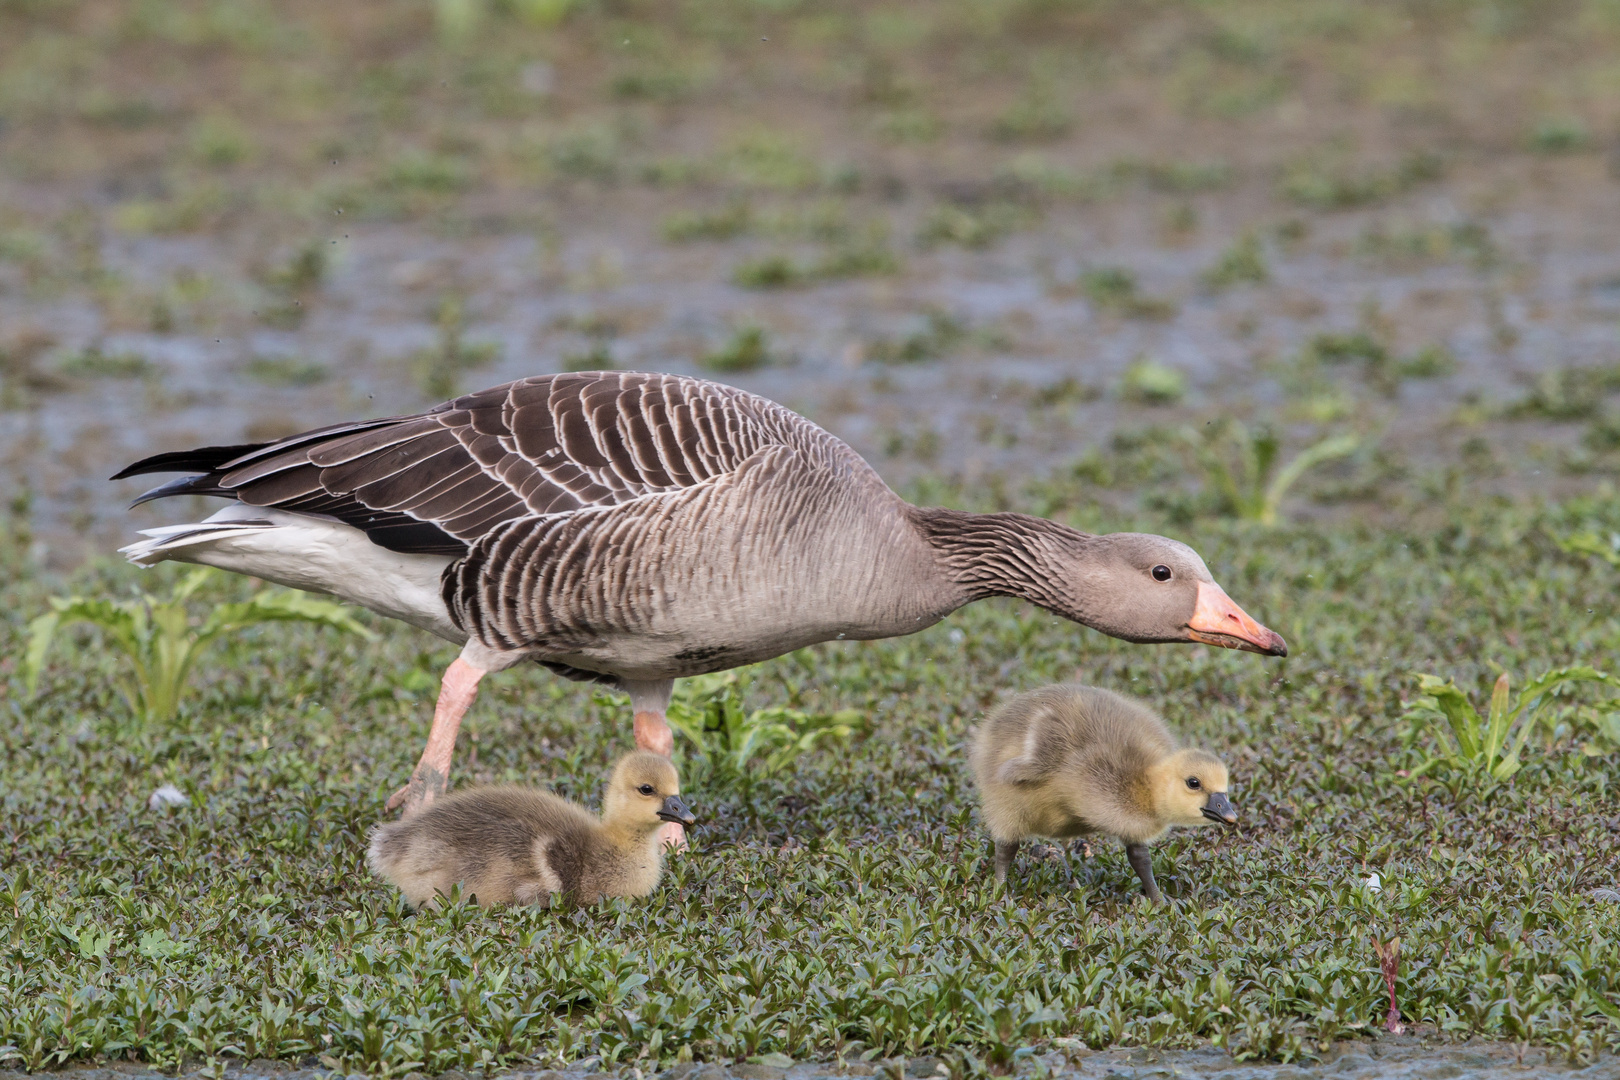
x: 1161, y: 573
x: 647, y: 789
x: 1193, y: 782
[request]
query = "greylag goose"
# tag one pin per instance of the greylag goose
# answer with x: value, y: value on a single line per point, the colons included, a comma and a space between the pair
x: 1068, y: 760
x: 635, y: 528
x: 517, y: 845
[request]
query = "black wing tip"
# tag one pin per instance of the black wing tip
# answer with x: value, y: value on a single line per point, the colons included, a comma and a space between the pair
x: 201, y: 484
x: 199, y: 459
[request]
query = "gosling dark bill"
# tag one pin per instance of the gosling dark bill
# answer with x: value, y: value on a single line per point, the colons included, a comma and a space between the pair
x: 1220, y: 809
x: 675, y: 810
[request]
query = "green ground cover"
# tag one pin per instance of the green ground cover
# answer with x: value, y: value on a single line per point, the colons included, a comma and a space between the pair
x: 842, y: 906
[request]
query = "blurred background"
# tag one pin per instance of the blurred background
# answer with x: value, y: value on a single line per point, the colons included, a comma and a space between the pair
x: 1088, y: 257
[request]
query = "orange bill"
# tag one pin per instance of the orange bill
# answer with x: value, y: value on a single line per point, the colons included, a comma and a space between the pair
x: 1216, y: 620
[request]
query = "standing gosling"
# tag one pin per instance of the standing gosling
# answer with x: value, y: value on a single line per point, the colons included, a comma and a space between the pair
x: 1068, y: 760
x: 516, y: 845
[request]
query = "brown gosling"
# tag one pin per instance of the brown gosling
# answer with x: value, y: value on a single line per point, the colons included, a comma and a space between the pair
x: 517, y: 845
x: 1070, y: 760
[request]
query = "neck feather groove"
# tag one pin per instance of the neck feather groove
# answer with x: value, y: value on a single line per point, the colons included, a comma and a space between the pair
x: 1005, y: 554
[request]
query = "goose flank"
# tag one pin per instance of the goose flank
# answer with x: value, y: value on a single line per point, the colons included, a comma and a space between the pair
x: 1070, y: 760
x: 518, y: 845
x: 636, y: 528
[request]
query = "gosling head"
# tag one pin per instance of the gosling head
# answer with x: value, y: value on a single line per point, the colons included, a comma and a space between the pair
x: 1189, y: 788
x: 643, y: 793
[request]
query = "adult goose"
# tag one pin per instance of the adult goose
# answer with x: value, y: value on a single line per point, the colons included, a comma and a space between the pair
x: 634, y: 528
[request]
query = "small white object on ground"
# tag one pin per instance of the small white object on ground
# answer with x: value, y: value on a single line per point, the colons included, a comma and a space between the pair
x: 1373, y: 883
x: 167, y: 795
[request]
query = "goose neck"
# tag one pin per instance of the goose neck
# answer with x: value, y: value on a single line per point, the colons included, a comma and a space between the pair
x: 1007, y: 554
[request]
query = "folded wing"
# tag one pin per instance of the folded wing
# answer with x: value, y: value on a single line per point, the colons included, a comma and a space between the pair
x: 436, y: 482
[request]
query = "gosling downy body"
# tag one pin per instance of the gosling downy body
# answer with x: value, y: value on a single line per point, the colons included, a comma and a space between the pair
x: 1070, y: 760
x: 518, y: 845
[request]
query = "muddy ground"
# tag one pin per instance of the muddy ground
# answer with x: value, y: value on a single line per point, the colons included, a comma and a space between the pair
x: 1405, y: 1057
x: 978, y: 259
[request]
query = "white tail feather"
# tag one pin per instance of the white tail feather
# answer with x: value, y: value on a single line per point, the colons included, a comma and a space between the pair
x: 170, y: 538
x: 316, y: 554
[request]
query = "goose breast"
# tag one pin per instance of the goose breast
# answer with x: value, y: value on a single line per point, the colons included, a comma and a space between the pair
x: 781, y: 552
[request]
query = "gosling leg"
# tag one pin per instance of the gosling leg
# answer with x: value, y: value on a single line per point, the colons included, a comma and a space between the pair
x: 1006, y: 850
x: 1142, y: 863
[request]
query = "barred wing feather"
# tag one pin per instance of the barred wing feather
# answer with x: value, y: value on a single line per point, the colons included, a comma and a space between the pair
x: 439, y: 481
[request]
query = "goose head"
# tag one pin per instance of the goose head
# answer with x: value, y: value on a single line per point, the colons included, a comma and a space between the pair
x: 643, y: 793
x: 1135, y: 586
x: 1189, y: 788
x: 1147, y: 588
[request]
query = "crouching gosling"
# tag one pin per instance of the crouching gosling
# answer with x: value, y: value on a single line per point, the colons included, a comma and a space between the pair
x: 517, y: 845
x: 1070, y: 760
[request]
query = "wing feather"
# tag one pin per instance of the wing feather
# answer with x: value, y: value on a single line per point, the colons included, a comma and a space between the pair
x: 555, y: 444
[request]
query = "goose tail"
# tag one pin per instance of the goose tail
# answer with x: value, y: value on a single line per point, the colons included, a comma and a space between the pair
x: 170, y: 541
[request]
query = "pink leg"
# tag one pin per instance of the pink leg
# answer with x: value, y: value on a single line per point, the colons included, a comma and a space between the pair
x: 653, y: 733
x: 432, y: 773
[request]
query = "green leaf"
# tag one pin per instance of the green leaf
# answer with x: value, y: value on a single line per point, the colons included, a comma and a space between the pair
x: 190, y: 584
x: 94, y: 942
x: 40, y: 632
x: 282, y: 606
x: 1498, y: 719
x: 1453, y: 704
x: 1336, y: 446
x: 1590, y: 543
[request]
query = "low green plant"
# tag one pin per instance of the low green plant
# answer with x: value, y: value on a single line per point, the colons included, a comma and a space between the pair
x: 1242, y: 466
x: 1489, y: 744
x: 1381, y: 368
x: 599, y: 357
x: 733, y: 743
x: 942, y: 333
x: 1334, y: 184
x: 1601, y: 725
x: 161, y: 639
x: 303, y: 271
x: 871, y: 258
x: 1113, y: 288
x: 1560, y: 135
x: 727, y: 223
x: 769, y: 272
x: 1593, y: 544
x: 974, y: 227
x: 220, y: 141
x: 439, y: 368
x: 1036, y: 116
x: 92, y: 363
x: 1244, y: 263
x: 1566, y: 393
x: 285, y: 371
x: 748, y: 349
x: 1148, y: 382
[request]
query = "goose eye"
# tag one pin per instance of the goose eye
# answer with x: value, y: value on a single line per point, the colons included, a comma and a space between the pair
x: 1192, y: 782
x: 1161, y: 573
x: 647, y: 789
